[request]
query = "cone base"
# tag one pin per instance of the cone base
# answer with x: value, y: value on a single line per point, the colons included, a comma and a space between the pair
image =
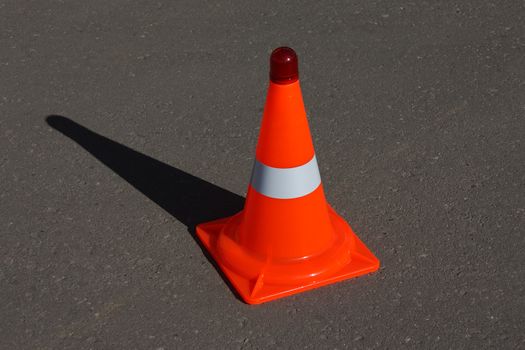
x: 257, y: 291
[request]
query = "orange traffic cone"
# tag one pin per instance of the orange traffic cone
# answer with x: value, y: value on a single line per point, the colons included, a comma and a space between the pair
x: 287, y: 239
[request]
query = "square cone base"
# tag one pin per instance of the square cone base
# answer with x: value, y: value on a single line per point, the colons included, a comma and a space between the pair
x: 362, y: 262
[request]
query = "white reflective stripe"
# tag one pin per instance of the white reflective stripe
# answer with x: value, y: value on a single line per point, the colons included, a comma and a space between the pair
x: 286, y: 183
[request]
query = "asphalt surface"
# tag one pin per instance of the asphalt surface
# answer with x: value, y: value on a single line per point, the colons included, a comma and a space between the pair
x: 125, y: 123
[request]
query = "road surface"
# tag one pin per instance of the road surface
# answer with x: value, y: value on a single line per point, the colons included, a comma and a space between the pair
x: 125, y: 123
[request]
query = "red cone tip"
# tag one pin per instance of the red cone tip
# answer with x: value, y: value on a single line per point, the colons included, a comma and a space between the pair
x: 284, y: 66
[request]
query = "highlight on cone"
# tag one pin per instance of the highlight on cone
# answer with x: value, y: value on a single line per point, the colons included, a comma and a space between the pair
x: 287, y: 239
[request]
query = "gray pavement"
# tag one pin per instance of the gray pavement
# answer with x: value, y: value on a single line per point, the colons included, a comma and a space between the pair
x: 125, y: 123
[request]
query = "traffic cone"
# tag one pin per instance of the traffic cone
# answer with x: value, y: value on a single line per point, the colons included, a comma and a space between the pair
x: 287, y: 239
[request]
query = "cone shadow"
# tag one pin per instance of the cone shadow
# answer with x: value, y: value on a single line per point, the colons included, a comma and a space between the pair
x: 188, y: 198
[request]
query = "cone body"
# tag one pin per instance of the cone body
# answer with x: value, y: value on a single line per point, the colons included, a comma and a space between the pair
x: 285, y: 228
x: 287, y: 238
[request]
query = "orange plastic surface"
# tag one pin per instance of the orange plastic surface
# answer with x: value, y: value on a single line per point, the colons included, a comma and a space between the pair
x: 284, y: 139
x: 258, y: 279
